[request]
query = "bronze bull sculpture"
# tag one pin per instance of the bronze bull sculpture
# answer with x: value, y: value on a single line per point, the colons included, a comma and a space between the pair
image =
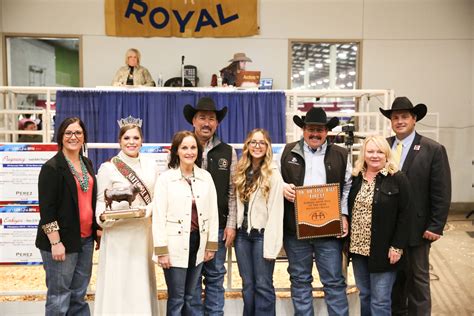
x: 120, y: 194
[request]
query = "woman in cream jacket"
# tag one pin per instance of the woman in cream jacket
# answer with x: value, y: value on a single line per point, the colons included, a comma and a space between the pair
x: 185, y: 221
x: 260, y: 222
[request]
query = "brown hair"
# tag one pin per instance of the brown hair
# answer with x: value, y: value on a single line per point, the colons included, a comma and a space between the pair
x: 177, y: 140
x: 128, y: 127
x: 64, y: 125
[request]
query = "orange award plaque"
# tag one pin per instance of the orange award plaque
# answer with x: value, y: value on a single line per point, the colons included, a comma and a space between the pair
x: 318, y: 211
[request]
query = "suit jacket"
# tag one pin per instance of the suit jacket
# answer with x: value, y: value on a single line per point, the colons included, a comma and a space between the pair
x: 57, y: 193
x: 427, y: 169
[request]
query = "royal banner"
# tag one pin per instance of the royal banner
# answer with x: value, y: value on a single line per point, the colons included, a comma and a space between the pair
x: 181, y: 18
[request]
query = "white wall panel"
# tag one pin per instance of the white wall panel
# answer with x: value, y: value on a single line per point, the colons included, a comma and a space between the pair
x: 418, y: 19
x: 437, y: 73
x: 420, y: 48
x: 164, y: 56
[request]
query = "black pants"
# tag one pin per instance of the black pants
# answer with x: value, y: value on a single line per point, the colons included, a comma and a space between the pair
x: 411, y: 291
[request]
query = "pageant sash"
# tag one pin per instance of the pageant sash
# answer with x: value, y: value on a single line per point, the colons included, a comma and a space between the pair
x: 132, y: 177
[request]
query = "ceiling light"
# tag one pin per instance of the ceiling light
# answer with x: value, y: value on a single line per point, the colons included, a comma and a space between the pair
x: 342, y: 86
x: 354, y: 48
x: 352, y: 73
x: 319, y: 65
x: 311, y: 69
x: 313, y: 84
x: 302, y: 72
x: 327, y: 61
x: 319, y: 82
x: 296, y: 76
x: 326, y: 80
x: 349, y: 84
x: 342, y: 76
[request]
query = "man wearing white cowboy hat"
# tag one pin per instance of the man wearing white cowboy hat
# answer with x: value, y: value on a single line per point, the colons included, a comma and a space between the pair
x: 426, y: 165
x: 237, y: 64
x: 313, y: 161
x: 220, y: 160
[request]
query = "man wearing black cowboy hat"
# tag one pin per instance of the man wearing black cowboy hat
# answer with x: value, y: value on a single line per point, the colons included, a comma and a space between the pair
x: 313, y: 161
x: 426, y: 165
x: 220, y: 160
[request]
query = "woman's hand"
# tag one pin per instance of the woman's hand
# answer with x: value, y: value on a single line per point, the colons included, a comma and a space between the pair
x: 58, y: 252
x: 345, y: 227
x: 164, y: 262
x: 97, y: 239
x: 209, y: 255
x: 393, y: 256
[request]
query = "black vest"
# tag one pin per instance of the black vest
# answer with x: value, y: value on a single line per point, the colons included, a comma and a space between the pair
x: 293, y: 171
x: 219, y: 160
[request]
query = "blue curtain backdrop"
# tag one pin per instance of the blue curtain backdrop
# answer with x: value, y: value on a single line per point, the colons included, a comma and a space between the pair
x: 162, y: 114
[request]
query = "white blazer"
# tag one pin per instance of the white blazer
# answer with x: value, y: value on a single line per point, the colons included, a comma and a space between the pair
x: 172, y: 215
x: 266, y: 214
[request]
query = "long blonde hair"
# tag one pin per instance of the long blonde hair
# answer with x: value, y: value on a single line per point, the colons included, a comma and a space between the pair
x: 383, y: 145
x: 245, y: 163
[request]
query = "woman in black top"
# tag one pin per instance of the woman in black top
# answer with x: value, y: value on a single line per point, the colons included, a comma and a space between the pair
x: 378, y: 210
x: 67, y: 228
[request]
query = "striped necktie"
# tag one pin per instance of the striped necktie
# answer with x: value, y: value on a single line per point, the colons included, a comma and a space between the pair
x: 397, y: 153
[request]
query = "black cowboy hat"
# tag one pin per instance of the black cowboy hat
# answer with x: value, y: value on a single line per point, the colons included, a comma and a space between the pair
x: 316, y: 116
x: 401, y: 104
x: 204, y: 104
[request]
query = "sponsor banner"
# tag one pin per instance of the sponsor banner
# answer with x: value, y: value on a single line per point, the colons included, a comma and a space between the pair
x: 19, y: 169
x: 181, y: 18
x: 18, y: 225
x: 157, y: 153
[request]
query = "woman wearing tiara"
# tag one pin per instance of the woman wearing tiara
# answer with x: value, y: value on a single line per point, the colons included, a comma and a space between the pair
x: 126, y: 283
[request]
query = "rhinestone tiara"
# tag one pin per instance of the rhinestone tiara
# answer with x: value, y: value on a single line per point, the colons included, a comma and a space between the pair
x: 129, y: 121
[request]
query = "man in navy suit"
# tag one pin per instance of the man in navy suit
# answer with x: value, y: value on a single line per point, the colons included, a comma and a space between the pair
x: 426, y: 165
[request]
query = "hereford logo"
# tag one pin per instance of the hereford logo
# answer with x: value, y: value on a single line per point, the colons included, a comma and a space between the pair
x: 223, y: 164
x: 318, y: 216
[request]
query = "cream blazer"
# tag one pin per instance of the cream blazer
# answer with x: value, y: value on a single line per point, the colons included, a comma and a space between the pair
x: 266, y: 214
x: 172, y: 215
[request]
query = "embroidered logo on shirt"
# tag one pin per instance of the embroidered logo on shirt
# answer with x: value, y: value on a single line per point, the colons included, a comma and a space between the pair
x: 294, y: 161
x: 223, y: 164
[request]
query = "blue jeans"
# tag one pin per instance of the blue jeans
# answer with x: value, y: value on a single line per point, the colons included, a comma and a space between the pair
x: 181, y: 282
x: 375, y: 288
x: 327, y: 253
x: 213, y: 272
x: 67, y: 281
x: 256, y: 273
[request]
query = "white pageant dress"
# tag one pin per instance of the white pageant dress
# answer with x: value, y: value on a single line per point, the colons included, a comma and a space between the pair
x: 126, y: 283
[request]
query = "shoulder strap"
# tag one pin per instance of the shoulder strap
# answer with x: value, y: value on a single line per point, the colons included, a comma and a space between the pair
x: 133, y: 178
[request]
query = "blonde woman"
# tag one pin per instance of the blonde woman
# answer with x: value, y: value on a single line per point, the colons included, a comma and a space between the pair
x: 133, y: 74
x: 378, y: 211
x: 259, y: 238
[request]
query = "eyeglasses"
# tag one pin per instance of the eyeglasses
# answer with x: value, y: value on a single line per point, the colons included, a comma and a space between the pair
x: 69, y: 134
x: 260, y: 143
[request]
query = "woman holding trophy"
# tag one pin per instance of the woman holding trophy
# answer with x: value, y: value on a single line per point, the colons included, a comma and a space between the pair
x: 126, y: 282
